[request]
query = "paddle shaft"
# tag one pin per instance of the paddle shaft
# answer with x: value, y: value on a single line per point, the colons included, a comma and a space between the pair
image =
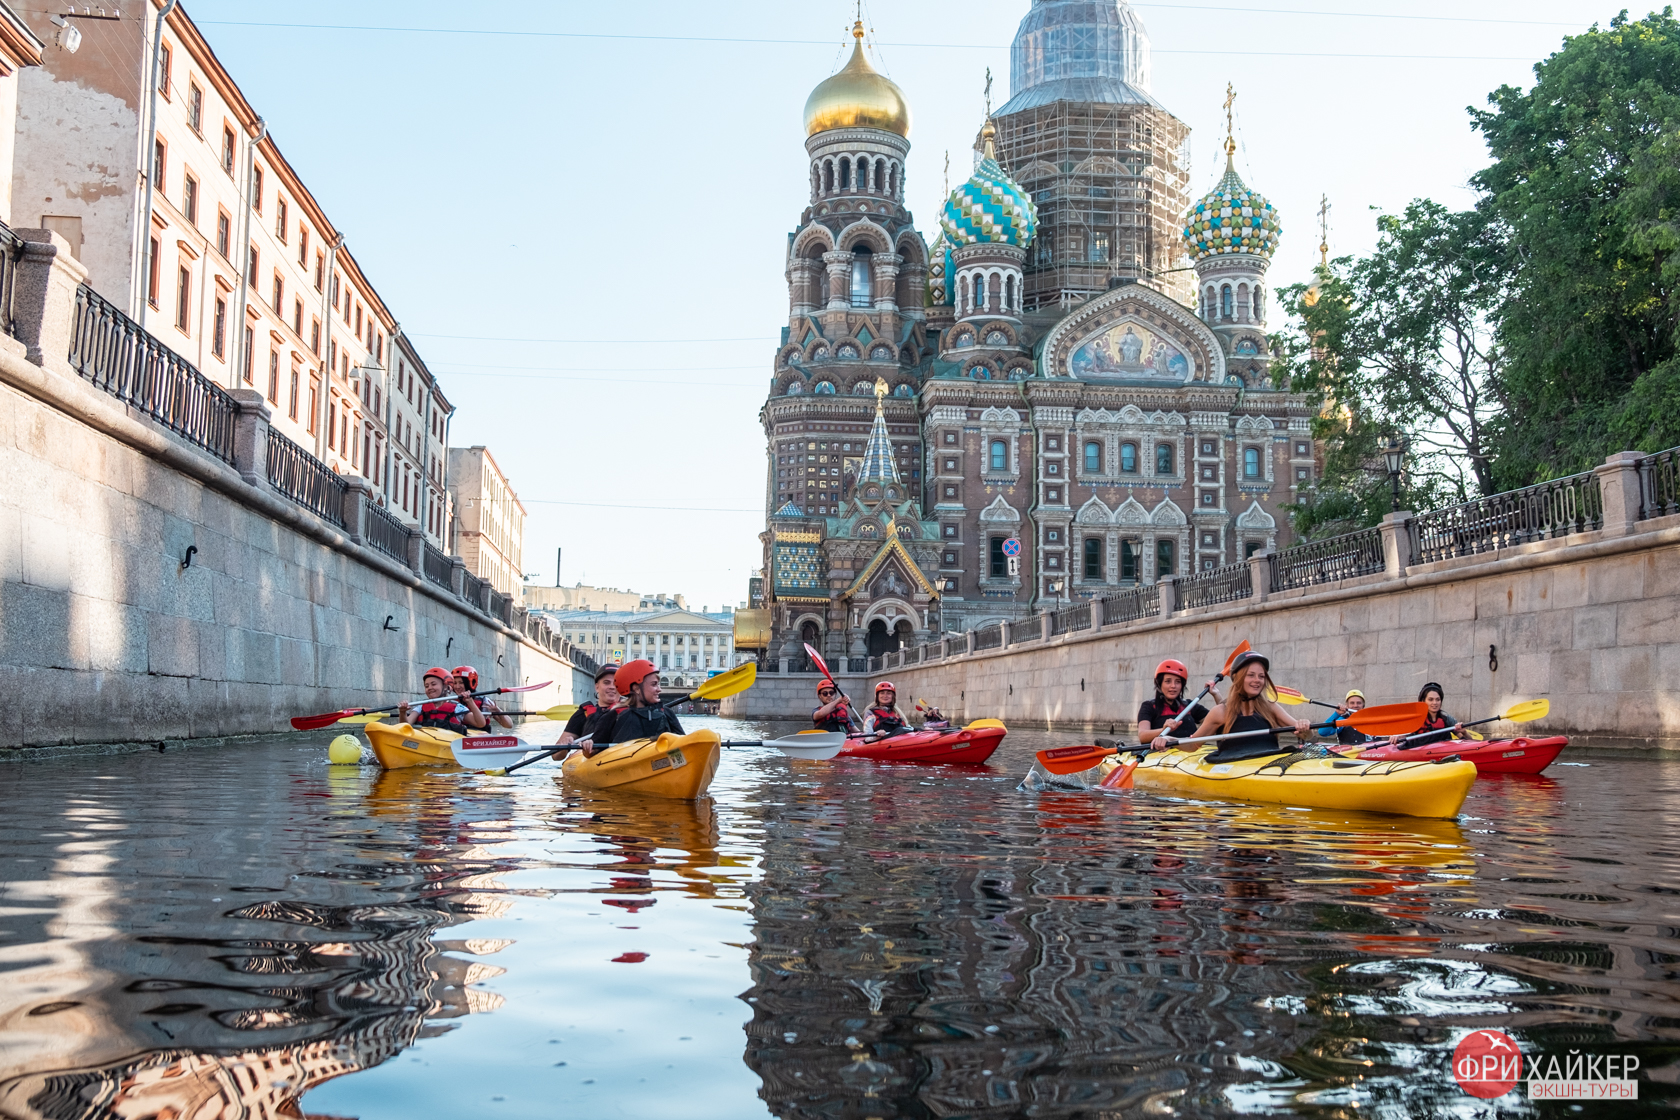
x: 1407, y: 740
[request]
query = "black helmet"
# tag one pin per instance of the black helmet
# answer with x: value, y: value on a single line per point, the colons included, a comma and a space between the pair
x: 605, y: 671
x: 1248, y: 659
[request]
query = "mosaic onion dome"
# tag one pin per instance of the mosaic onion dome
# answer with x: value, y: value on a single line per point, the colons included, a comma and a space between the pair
x: 1231, y: 219
x: 990, y: 206
x: 857, y: 97
x: 940, y: 272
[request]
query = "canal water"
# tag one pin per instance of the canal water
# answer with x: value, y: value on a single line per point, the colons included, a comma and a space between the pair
x: 249, y: 931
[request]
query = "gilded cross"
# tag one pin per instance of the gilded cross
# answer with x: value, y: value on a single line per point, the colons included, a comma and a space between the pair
x: 988, y: 93
x: 1324, y: 230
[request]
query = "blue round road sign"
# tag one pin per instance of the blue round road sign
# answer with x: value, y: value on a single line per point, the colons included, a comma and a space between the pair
x: 1012, y: 546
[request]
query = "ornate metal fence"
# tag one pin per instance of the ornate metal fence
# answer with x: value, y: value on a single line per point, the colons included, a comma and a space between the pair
x: 1535, y: 513
x: 1328, y: 560
x: 1656, y: 484
x: 501, y: 607
x: 304, y: 479
x: 473, y: 590
x: 1131, y: 605
x: 1221, y: 585
x: 1029, y: 629
x: 115, y: 354
x: 1069, y: 619
x: 988, y: 637
x: 387, y: 533
x: 435, y: 566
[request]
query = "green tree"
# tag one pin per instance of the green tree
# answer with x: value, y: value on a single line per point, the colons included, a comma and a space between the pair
x: 1583, y: 181
x: 1399, y: 343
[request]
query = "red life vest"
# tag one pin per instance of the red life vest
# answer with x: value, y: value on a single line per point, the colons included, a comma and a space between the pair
x: 447, y: 714
x: 886, y: 720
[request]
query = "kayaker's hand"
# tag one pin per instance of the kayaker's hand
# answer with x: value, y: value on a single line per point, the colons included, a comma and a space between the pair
x: 1457, y: 727
x: 402, y: 712
x: 1163, y: 741
x: 1394, y: 740
x: 1302, y: 726
x: 588, y: 746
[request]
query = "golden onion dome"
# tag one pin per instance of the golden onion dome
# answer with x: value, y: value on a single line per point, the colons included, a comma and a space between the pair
x: 857, y: 97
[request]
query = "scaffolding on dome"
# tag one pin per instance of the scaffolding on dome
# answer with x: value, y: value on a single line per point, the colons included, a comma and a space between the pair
x: 1111, y: 183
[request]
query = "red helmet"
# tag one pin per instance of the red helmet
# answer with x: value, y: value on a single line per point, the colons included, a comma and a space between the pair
x: 632, y: 674
x: 468, y: 674
x: 826, y: 683
x: 440, y: 673
x: 889, y: 686
x: 1176, y: 668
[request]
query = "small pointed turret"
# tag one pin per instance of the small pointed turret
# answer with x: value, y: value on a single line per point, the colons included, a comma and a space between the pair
x: 878, y: 462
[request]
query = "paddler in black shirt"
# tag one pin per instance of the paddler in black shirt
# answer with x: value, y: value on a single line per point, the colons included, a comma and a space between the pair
x: 642, y: 717
x: 1250, y: 707
x: 1171, y: 679
x: 588, y: 717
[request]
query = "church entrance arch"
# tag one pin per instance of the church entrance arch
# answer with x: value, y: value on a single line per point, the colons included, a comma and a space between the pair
x: 879, y: 639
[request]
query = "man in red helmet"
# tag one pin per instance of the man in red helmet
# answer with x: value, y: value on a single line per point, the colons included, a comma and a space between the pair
x: 1168, y: 704
x: 642, y: 716
x: 458, y: 715
x: 833, y: 713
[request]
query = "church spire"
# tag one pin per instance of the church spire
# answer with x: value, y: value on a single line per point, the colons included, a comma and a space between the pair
x: 878, y: 462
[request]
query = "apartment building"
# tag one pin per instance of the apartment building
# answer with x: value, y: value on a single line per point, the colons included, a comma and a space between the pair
x: 175, y: 194
x: 409, y: 430
x: 488, y: 520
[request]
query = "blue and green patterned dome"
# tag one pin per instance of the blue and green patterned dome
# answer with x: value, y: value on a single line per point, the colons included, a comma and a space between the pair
x: 1231, y: 219
x: 990, y: 207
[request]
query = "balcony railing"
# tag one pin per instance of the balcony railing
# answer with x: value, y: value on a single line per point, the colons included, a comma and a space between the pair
x: 387, y: 533
x: 115, y: 354
x: 1221, y: 585
x: 1069, y: 619
x: 1329, y: 560
x: 1534, y: 513
x: 1657, y: 484
x: 435, y: 566
x: 1131, y: 605
x: 304, y: 479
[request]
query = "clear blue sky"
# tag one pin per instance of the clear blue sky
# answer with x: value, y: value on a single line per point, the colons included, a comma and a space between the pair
x: 622, y: 177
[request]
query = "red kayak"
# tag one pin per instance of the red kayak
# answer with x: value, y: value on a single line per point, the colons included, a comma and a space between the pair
x: 1494, y: 756
x: 958, y: 744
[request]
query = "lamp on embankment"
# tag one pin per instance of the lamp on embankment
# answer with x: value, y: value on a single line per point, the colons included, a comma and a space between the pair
x: 1394, y: 456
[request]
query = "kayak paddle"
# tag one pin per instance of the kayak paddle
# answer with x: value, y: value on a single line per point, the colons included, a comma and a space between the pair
x: 1384, y: 719
x: 1524, y: 712
x: 489, y: 752
x: 559, y: 711
x: 327, y: 719
x: 822, y: 666
x: 1296, y: 696
x: 1122, y: 778
x: 819, y: 745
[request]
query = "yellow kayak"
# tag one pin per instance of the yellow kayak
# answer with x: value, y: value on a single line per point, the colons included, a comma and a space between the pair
x: 670, y: 766
x: 396, y: 745
x: 1408, y: 788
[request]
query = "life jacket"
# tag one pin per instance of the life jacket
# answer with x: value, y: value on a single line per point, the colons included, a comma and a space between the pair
x: 840, y: 719
x: 644, y: 723
x: 450, y: 715
x: 1249, y: 746
x: 887, y: 721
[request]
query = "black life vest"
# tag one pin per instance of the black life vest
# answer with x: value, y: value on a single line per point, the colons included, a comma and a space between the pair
x: 1249, y: 746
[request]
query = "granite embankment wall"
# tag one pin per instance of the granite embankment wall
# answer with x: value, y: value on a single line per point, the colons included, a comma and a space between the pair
x: 1590, y: 621
x: 108, y: 634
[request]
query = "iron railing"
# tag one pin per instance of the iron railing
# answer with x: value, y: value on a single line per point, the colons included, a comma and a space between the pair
x: 11, y: 251
x: 387, y: 533
x: 770, y: 665
x: 1221, y: 585
x: 876, y: 663
x: 857, y: 664
x: 435, y: 566
x: 1131, y: 605
x: 1328, y: 560
x: 117, y: 355
x: 1069, y: 619
x: 801, y: 664
x: 1534, y: 513
x: 1029, y: 629
x: 304, y: 479
x: 910, y: 655
x: 988, y: 637
x: 473, y: 590
x: 1657, y: 497
x: 501, y: 607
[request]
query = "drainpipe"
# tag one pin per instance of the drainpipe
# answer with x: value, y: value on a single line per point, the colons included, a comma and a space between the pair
x: 148, y: 160
x: 326, y: 348
x: 240, y: 355
x: 390, y: 408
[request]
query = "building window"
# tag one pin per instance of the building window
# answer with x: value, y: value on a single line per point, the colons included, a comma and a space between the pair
x: 1252, y: 547
x: 314, y: 403
x: 251, y: 263
x: 250, y: 344
x: 332, y: 423
x: 1128, y: 458
x: 189, y: 198
x: 863, y: 284
x: 949, y: 531
x: 1166, y: 553
x: 1226, y: 304
x: 1128, y: 561
x: 227, y: 149
x: 274, y: 377
x: 320, y: 265
x: 160, y: 160
x: 315, y: 336
x: 183, y: 296
x: 1093, y: 558
x: 1000, y: 455
x: 224, y: 227
x: 1093, y: 457
x: 950, y: 438
x: 1000, y: 563
x: 1209, y: 498
x: 166, y: 63
x: 292, y: 397
x: 1251, y: 462
x: 256, y: 188
x: 152, y: 273
x: 1099, y: 247
x: 279, y: 292
x: 297, y: 317
x: 1207, y: 448
x: 1163, y: 458
x: 1300, y: 450
x: 195, y: 107
x: 303, y: 245
x: 218, y: 333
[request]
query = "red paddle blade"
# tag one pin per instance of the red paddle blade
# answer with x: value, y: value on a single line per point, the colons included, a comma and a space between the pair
x: 315, y: 723
x: 1121, y: 776
x: 1231, y: 660
x: 816, y: 659
x: 520, y: 688
x: 1071, y: 760
x: 1387, y: 719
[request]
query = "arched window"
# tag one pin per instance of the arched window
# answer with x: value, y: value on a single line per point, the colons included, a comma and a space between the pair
x: 1163, y: 458
x: 828, y: 175
x: 979, y: 293
x: 816, y: 180
x: 1251, y: 462
x: 1000, y: 455
x: 1242, y: 302
x: 1009, y: 293
x: 1258, y: 312
x: 863, y: 281
x: 1166, y: 558
x: 1226, y: 305
x: 880, y: 174
x: 1093, y: 458
x: 892, y: 180
x: 1208, y: 304
x: 1128, y: 458
x: 1093, y: 558
x: 845, y: 172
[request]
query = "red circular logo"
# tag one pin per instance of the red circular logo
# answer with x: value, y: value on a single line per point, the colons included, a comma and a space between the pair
x: 1487, y: 1064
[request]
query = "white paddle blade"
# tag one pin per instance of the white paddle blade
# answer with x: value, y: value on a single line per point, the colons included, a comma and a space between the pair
x: 490, y: 752
x: 817, y: 745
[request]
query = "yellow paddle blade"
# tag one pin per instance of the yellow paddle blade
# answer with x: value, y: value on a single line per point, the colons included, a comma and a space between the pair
x: 1289, y: 695
x: 1527, y: 710
x: 981, y: 723
x: 1473, y: 734
x: 738, y: 679
x: 559, y: 711
x: 367, y: 717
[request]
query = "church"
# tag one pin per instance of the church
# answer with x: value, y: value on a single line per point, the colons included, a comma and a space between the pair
x: 1065, y: 394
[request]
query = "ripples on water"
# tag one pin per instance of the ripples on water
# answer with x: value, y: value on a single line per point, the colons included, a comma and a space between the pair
x: 247, y: 930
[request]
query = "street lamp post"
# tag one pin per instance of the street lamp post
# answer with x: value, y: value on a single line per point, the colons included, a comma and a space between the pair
x: 1394, y: 456
x: 1056, y: 588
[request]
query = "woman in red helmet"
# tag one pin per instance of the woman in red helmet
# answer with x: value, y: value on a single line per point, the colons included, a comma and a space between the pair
x: 460, y: 715
x: 884, y: 718
x: 642, y: 716
x: 1171, y: 679
x: 466, y: 680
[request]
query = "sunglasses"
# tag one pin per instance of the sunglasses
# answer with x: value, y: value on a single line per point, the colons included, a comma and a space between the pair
x: 825, y: 692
